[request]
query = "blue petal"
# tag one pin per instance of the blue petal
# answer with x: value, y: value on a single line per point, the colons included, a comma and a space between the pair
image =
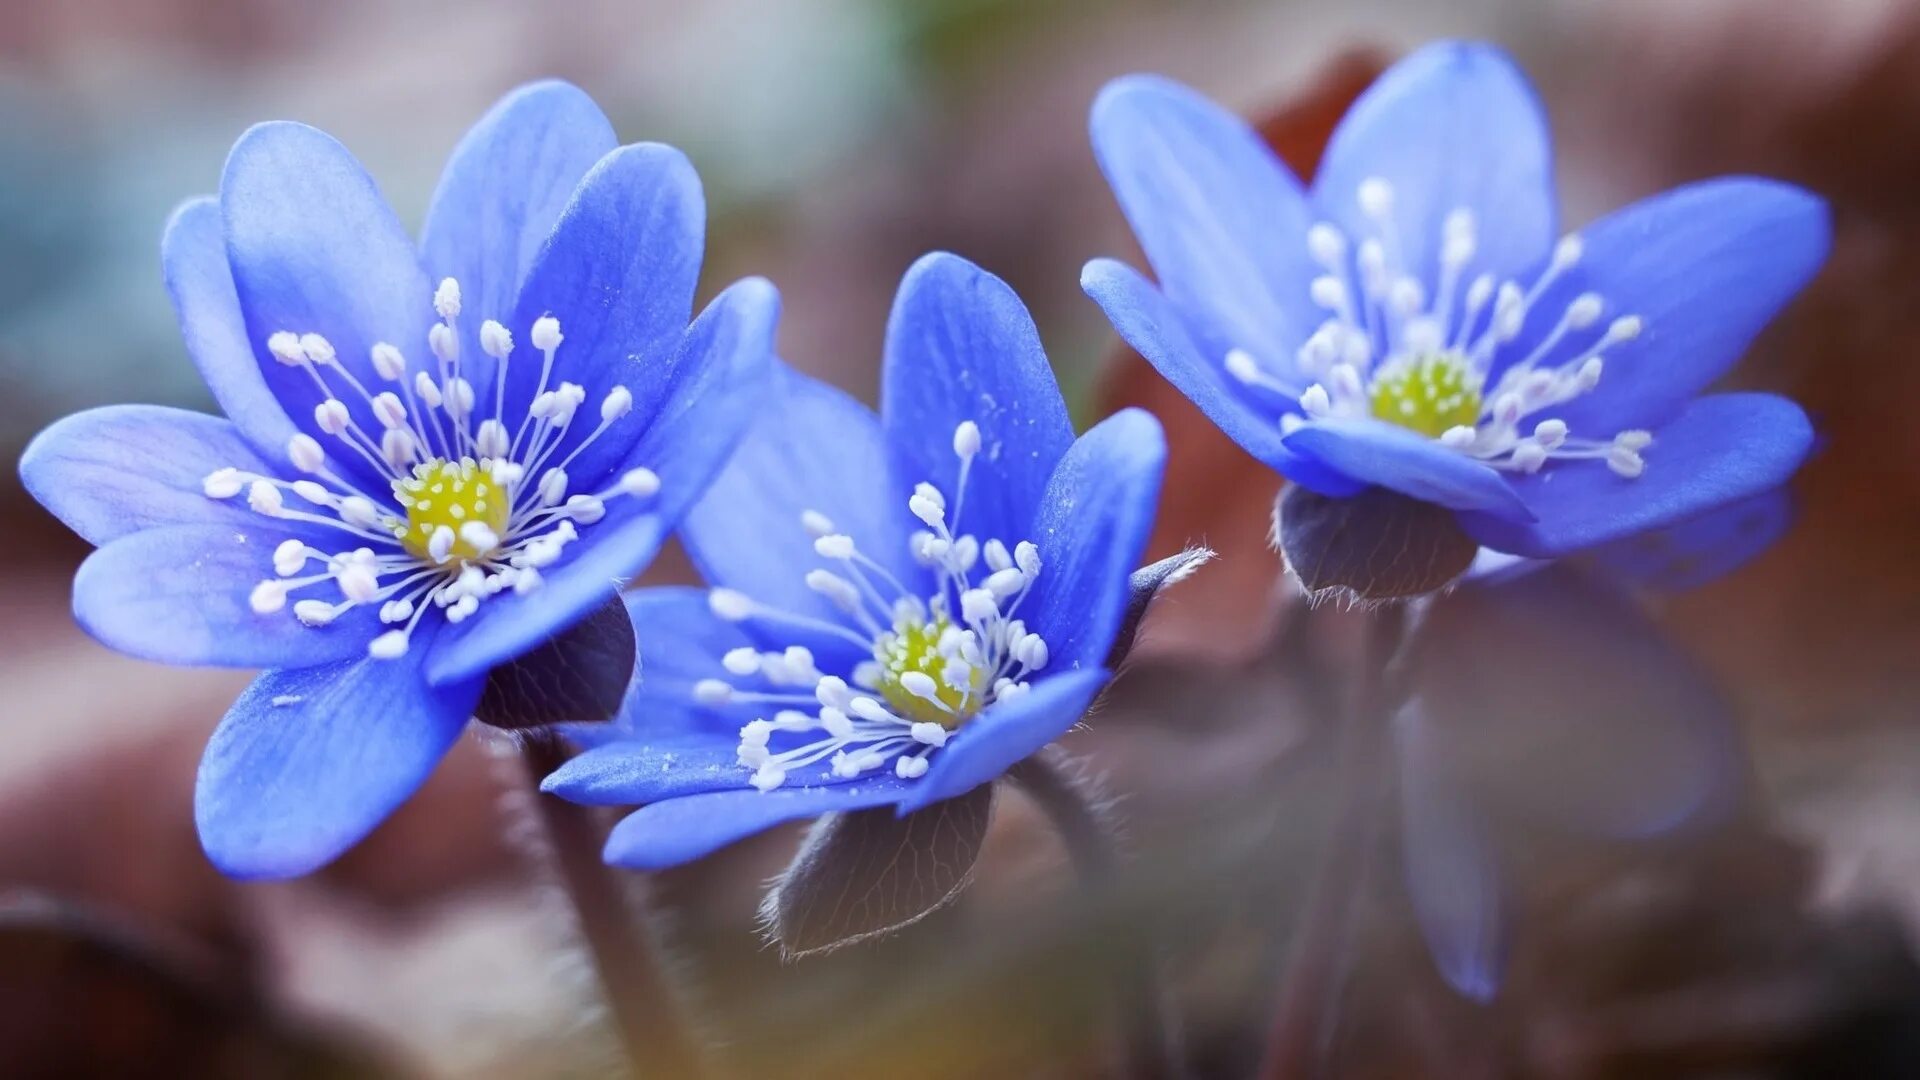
x: 1706, y: 266
x: 1006, y: 733
x: 681, y: 642
x: 308, y: 762
x: 1453, y: 875
x: 498, y: 200
x: 1721, y: 449
x: 717, y: 384
x: 678, y: 831
x: 1700, y: 549
x: 961, y: 346
x: 619, y: 274
x: 113, y: 471
x: 179, y: 595
x: 1091, y: 528
x: 315, y: 249
x: 193, y: 254
x: 811, y: 447
x: 1221, y: 218
x: 647, y: 768
x: 1149, y: 323
x: 1453, y: 126
x: 1405, y: 461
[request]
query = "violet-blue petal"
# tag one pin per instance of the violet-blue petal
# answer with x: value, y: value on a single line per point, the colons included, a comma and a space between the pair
x: 646, y: 767
x: 193, y: 257
x: 1702, y: 548
x: 315, y: 249
x: 679, y: 831
x: 1453, y: 126
x: 619, y: 274
x: 810, y: 447
x: 1091, y: 529
x: 1722, y: 449
x: 1453, y: 874
x: 112, y: 471
x: 1706, y: 266
x: 961, y: 346
x: 498, y: 200
x: 680, y: 641
x: 1393, y: 457
x: 307, y: 762
x: 1005, y: 733
x: 1220, y: 217
x: 1146, y: 320
x: 179, y: 595
x: 719, y: 377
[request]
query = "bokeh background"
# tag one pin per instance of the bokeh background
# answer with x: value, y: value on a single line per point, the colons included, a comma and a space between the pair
x: 838, y: 139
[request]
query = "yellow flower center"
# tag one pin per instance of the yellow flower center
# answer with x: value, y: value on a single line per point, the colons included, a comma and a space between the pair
x: 915, y: 646
x: 450, y: 495
x: 1431, y: 394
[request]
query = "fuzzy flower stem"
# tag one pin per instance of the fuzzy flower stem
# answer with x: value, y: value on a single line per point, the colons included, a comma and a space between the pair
x: 1047, y: 779
x: 640, y: 1000
x: 1298, y: 1036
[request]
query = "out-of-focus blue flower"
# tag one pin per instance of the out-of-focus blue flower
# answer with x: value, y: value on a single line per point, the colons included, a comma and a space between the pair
x: 905, y: 604
x: 1411, y: 321
x: 433, y: 458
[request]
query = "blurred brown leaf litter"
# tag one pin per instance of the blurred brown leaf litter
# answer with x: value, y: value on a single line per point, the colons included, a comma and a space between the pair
x: 1739, y: 951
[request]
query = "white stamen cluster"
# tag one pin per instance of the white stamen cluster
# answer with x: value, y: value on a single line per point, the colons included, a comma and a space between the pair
x: 937, y: 660
x: 1393, y: 350
x: 470, y: 512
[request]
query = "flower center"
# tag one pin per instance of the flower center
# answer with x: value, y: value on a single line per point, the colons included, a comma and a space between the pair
x: 929, y: 649
x: 938, y: 660
x: 456, y: 500
x: 1431, y: 395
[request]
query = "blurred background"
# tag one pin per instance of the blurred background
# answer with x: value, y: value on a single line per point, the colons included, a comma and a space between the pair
x: 839, y: 139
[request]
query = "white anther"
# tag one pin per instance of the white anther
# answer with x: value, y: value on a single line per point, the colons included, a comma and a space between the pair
x: 978, y: 606
x: 331, y: 416
x: 358, y: 583
x: 1328, y: 292
x: 546, y: 333
x: 490, y: 440
x: 835, y: 588
x: 1027, y: 557
x: 313, y: 612
x: 495, y: 340
x: 818, y: 524
x: 909, y: 767
x: 440, y: 544
x: 1625, y: 461
x: 730, y: 604
x: 394, y: 611
x: 310, y: 491
x: 1506, y: 409
x: 755, y: 733
x: 1550, y: 433
x: 586, y: 509
x: 869, y: 710
x: 920, y: 685
x: 359, y: 510
x: 423, y: 387
x: 267, y: 597
x: 1626, y: 328
x: 741, y: 661
x: 617, y: 403
x: 933, y: 511
x: 444, y: 343
x: 317, y: 349
x: 641, y: 483
x: 1327, y: 244
x: 1588, y: 376
x: 527, y: 581
x: 1344, y: 382
x: 1242, y: 366
x: 768, y: 776
x: 459, y: 396
x: 833, y: 692
x: 1406, y: 297
x: 834, y: 546
x: 305, y: 453
x: 553, y: 486
x: 1376, y: 197
x: 1634, y: 439
x: 995, y: 553
x: 712, y: 692
x: 391, y: 645
x: 1529, y: 457
x: 966, y: 551
x: 1457, y: 438
x: 397, y: 447
x: 264, y: 498
x: 1480, y: 292
x: 1568, y: 251
x: 388, y: 362
x: 929, y: 734
x: 285, y: 347
x: 1315, y: 402
x: 1004, y: 583
x: 1458, y: 239
x: 1033, y: 652
x: 289, y: 557
x: 446, y: 298
x: 1585, y: 310
x: 223, y: 483
x: 507, y: 473
x: 566, y: 401
x: 388, y: 409
x: 479, y: 536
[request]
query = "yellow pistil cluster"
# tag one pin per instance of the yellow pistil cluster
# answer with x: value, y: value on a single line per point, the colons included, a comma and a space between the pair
x: 449, y: 494
x: 1431, y: 395
x: 915, y: 646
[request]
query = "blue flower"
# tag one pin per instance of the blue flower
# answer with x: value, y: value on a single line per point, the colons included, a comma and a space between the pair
x: 1411, y: 321
x: 905, y: 605
x: 434, y: 458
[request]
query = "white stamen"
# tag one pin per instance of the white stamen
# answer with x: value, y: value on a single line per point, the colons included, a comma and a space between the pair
x: 966, y: 440
x: 304, y: 452
x: 546, y: 333
x: 495, y: 340
x: 446, y: 298
x: 617, y: 403
x: 388, y: 362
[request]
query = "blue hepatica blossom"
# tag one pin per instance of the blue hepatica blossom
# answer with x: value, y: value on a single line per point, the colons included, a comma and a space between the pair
x: 1414, y: 321
x: 905, y: 605
x: 433, y: 458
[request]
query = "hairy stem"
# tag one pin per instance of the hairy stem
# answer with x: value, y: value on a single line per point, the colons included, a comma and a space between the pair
x: 1297, y: 1037
x: 645, y: 1015
x: 1091, y: 844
